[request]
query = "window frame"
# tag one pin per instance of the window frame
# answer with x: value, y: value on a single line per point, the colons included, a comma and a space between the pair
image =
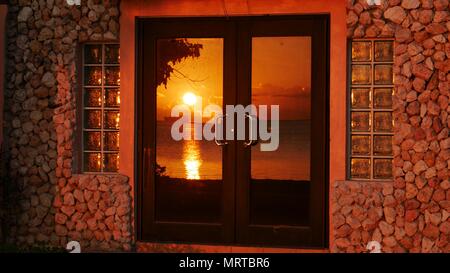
x: 81, y: 108
x: 372, y: 86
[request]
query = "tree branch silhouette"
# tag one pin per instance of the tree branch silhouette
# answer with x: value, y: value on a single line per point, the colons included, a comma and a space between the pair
x: 172, y: 52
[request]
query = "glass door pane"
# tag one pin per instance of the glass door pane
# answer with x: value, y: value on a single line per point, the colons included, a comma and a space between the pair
x: 188, y: 174
x: 280, y: 179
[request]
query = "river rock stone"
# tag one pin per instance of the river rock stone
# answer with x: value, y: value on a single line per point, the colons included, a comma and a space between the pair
x: 395, y: 14
x: 24, y: 14
x: 48, y: 79
x: 410, y: 4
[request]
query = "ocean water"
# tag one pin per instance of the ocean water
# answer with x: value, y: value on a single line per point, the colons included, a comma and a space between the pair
x: 201, y: 159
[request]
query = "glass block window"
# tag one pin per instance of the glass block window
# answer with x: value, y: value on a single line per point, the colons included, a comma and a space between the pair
x: 101, y: 102
x: 370, y: 119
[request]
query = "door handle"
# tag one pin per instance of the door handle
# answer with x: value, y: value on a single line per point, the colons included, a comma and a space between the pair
x: 250, y: 141
x: 216, y: 124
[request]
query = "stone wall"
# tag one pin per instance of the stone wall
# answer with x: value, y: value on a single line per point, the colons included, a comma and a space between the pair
x: 410, y: 214
x: 53, y: 204
x: 95, y: 210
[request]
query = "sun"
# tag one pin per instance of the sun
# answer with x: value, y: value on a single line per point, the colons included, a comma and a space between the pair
x: 189, y: 98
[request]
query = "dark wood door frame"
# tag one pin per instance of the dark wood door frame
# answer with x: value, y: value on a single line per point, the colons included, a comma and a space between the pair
x: 235, y: 228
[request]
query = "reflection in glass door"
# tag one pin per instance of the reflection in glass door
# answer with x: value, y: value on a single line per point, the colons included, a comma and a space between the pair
x: 184, y: 81
x: 281, y: 75
x: 189, y: 171
x: 281, y: 193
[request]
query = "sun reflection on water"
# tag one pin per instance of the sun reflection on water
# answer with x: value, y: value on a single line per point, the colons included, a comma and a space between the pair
x: 191, y: 158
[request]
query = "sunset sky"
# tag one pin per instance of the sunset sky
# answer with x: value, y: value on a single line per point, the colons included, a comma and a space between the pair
x: 280, y: 75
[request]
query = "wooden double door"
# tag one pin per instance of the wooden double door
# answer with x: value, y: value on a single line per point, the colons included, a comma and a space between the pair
x: 267, y: 190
